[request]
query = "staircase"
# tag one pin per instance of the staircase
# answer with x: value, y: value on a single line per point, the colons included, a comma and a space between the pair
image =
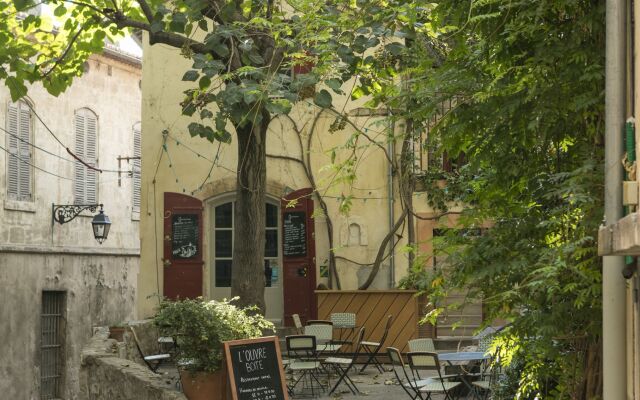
x: 457, y: 325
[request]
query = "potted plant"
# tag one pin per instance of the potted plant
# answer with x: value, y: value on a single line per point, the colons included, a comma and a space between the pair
x: 199, y: 328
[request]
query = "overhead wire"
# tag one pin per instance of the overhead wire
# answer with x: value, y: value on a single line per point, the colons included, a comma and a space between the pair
x: 71, y: 153
x: 33, y: 165
x: 56, y: 155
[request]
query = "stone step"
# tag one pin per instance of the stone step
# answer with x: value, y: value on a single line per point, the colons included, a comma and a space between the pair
x: 459, y: 331
x: 463, y: 319
x: 450, y: 344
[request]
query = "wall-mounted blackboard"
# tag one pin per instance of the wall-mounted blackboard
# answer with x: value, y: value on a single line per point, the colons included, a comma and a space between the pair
x: 255, y: 369
x: 184, y: 236
x: 295, y: 234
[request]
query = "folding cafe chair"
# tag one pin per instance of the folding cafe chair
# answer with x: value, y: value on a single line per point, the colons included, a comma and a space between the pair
x: 297, y: 323
x: 428, y: 361
x: 410, y: 385
x: 153, y: 361
x: 301, y: 351
x: 344, y: 365
x: 343, y: 321
x: 422, y: 344
x: 372, y: 348
x: 324, y: 336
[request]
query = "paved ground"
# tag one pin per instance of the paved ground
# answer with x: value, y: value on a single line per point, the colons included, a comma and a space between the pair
x: 372, y: 386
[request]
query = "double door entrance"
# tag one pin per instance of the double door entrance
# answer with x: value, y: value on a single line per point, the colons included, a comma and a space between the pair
x: 289, y: 255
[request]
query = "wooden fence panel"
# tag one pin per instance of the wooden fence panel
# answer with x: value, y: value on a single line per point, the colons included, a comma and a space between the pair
x: 372, y: 308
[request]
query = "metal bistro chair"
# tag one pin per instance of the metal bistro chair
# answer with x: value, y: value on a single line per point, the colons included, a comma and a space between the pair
x: 409, y: 384
x: 301, y: 351
x: 343, y: 321
x: 372, y: 348
x: 488, y: 376
x: 427, y: 361
x: 297, y: 323
x: 422, y: 344
x: 152, y: 361
x: 344, y: 365
x: 324, y: 337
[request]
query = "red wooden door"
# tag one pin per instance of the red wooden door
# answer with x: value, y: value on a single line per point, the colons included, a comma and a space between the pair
x: 299, y: 256
x: 182, y: 246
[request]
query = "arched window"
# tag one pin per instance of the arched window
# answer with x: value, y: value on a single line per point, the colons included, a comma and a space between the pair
x: 85, y: 184
x: 137, y: 152
x: 223, y: 226
x: 19, y: 161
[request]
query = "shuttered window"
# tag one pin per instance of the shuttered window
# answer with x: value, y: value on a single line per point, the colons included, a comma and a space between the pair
x: 137, y: 152
x: 85, y: 184
x: 19, y: 160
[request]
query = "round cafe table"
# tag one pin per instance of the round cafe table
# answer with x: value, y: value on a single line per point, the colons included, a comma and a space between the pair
x: 463, y: 356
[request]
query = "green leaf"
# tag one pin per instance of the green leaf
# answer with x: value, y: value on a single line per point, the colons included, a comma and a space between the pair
x: 334, y: 84
x: 279, y: 106
x: 60, y: 10
x: 357, y: 93
x: 190, y: 76
x: 323, y: 99
x: 204, y: 82
x: 395, y: 48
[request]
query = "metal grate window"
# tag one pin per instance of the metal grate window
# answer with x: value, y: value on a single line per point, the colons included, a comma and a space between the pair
x: 52, y: 344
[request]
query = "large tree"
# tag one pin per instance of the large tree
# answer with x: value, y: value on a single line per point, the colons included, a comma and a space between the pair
x: 242, y: 53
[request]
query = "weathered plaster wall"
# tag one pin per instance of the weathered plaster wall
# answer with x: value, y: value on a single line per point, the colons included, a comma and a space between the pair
x: 100, y: 290
x: 104, y: 376
x: 35, y: 255
x: 115, y: 98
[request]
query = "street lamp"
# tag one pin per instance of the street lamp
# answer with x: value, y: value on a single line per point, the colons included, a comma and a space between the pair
x: 67, y: 212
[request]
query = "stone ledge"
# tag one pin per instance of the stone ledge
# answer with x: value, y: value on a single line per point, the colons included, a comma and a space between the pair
x: 621, y: 238
x: 105, y: 376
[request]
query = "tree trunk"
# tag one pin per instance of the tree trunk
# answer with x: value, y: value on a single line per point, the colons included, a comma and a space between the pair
x: 247, y: 272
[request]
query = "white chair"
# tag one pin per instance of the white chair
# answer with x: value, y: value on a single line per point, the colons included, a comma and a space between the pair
x: 422, y: 344
x: 426, y: 361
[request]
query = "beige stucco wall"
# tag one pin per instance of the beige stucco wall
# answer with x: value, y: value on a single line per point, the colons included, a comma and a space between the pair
x: 178, y: 169
x: 99, y: 280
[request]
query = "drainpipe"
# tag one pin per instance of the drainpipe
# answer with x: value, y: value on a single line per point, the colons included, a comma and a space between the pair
x: 613, y: 284
x: 391, y: 148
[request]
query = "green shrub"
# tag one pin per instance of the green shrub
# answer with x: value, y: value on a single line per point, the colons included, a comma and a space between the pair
x: 200, y: 327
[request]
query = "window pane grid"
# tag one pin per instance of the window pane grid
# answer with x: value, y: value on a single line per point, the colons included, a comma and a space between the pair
x: 223, y: 244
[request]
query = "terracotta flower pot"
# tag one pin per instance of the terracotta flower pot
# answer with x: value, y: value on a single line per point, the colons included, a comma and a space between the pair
x: 205, y: 385
x: 117, y: 333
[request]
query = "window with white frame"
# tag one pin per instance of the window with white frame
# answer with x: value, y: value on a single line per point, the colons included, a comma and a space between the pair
x: 85, y: 183
x: 223, y: 244
x: 19, y: 160
x: 137, y: 162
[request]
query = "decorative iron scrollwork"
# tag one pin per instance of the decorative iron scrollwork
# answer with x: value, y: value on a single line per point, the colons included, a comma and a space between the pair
x: 67, y: 212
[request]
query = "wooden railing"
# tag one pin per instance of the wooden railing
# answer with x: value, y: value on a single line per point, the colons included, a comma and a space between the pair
x: 372, y: 308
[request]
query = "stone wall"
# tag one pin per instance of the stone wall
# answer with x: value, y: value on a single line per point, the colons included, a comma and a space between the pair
x: 99, y: 291
x: 105, y: 376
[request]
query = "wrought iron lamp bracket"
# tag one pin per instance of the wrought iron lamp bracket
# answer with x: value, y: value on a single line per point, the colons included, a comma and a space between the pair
x: 63, y: 213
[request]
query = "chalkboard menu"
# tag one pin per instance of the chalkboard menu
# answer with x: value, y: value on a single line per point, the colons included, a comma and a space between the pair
x: 184, y: 235
x: 295, y: 234
x: 255, y: 369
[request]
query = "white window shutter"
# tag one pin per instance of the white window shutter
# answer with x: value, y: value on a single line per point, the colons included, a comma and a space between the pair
x: 79, y: 176
x: 91, y: 190
x: 24, y: 151
x: 12, y: 161
x: 137, y: 152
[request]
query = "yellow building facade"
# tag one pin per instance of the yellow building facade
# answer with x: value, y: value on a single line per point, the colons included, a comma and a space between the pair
x: 300, y: 148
